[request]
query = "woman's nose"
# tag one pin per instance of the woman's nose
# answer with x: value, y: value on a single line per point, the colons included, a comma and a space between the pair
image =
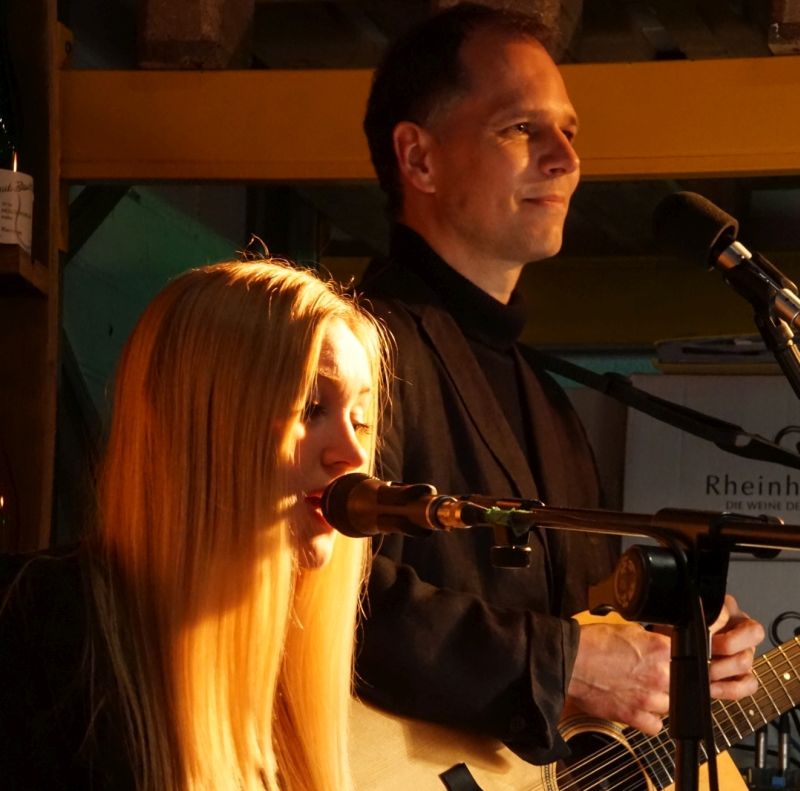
x: 344, y: 452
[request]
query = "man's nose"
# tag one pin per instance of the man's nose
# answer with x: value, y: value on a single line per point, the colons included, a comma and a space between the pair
x: 559, y: 156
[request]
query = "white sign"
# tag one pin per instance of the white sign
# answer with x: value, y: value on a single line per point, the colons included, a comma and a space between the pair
x: 668, y: 468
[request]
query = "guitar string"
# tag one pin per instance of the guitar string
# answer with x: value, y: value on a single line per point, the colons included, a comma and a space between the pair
x: 614, y: 752
x: 661, y: 739
x: 663, y: 745
x: 765, y: 695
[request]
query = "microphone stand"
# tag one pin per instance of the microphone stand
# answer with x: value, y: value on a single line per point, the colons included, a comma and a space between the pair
x: 727, y: 436
x: 682, y: 584
x: 675, y: 587
x: 774, y: 300
x: 780, y: 340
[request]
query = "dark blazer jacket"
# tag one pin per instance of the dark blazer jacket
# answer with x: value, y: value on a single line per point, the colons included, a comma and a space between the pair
x: 448, y: 637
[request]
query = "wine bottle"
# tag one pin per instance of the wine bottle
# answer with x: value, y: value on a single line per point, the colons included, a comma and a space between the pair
x: 16, y: 187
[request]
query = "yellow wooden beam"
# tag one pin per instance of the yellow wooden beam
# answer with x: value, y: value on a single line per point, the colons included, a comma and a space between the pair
x: 138, y: 126
x: 738, y: 117
x: 638, y: 120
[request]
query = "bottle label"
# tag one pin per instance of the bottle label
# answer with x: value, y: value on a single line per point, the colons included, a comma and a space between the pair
x: 16, y: 208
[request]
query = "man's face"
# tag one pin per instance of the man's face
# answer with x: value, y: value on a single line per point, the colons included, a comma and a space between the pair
x: 503, y: 165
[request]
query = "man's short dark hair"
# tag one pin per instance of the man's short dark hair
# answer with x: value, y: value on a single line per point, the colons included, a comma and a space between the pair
x: 420, y: 72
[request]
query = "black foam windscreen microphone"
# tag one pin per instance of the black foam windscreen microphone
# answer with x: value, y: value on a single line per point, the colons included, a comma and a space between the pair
x: 691, y: 226
x: 361, y: 506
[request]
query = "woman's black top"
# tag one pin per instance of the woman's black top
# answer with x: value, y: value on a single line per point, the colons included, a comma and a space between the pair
x: 60, y: 723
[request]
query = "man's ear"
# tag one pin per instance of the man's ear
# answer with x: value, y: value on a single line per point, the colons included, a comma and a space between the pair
x: 412, y: 148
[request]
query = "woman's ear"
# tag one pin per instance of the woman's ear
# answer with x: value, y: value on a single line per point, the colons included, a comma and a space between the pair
x: 413, y: 147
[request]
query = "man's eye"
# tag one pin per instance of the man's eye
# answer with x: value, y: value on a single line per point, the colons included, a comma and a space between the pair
x: 312, y: 410
x: 521, y: 128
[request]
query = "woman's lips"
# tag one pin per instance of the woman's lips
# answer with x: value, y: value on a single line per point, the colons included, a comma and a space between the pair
x: 314, y: 499
x: 313, y: 502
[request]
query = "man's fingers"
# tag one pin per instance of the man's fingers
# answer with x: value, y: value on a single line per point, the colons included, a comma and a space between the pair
x: 646, y: 722
x: 746, y: 635
x: 733, y: 666
x: 734, y: 688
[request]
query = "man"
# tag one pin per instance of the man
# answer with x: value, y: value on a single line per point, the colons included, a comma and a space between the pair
x: 470, y: 130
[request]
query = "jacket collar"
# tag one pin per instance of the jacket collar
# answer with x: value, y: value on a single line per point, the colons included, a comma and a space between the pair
x: 478, y: 398
x: 448, y: 306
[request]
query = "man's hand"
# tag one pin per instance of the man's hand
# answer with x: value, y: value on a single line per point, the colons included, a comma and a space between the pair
x: 734, y: 637
x: 621, y: 673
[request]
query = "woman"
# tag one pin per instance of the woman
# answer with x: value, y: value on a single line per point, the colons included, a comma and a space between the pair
x: 219, y: 635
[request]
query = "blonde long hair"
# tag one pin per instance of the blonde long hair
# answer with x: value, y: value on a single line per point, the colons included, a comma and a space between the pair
x: 233, y: 667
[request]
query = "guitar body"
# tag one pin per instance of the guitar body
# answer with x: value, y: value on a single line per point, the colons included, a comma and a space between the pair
x: 398, y: 754
x: 392, y: 753
x: 604, y: 749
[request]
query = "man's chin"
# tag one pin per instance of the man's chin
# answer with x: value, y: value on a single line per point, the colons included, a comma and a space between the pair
x: 542, y: 250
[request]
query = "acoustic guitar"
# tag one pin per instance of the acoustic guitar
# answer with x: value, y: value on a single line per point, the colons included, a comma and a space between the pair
x: 397, y: 754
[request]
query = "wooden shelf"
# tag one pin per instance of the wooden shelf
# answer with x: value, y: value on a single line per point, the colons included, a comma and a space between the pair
x: 19, y: 272
x: 29, y: 284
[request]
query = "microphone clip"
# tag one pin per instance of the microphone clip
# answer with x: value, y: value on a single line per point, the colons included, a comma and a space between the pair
x: 511, y: 524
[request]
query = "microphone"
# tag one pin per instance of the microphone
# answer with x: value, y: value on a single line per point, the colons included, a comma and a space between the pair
x: 692, y: 227
x: 361, y: 506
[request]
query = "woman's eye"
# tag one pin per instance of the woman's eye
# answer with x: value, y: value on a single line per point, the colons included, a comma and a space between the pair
x: 362, y: 428
x: 312, y: 410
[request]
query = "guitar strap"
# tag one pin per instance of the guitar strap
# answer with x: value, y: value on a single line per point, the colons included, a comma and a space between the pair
x: 459, y: 778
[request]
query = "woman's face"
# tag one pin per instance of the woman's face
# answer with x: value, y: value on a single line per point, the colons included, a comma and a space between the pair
x: 332, y: 437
